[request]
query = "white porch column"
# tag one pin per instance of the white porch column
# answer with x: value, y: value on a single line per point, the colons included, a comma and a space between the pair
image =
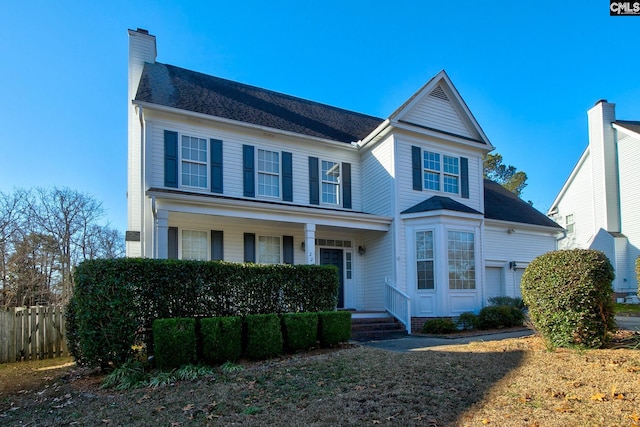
x: 310, y: 243
x: 162, y: 234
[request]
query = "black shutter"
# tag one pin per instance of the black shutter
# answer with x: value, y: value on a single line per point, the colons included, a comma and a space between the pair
x: 172, y: 239
x: 464, y: 177
x: 248, y: 167
x: 217, y: 251
x: 216, y: 166
x: 249, y: 247
x: 287, y: 249
x: 416, y: 168
x: 287, y: 177
x: 170, y: 159
x: 346, y: 185
x: 314, y: 181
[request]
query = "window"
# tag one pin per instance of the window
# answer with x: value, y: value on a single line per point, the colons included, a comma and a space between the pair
x: 194, y: 245
x: 349, y: 261
x: 462, y: 266
x: 194, y: 161
x: 268, y: 250
x: 441, y: 172
x: 424, y: 260
x: 268, y: 173
x: 569, y: 224
x: 330, y: 182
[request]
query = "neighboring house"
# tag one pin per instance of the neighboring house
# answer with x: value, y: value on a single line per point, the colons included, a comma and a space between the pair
x: 220, y: 170
x: 599, y: 204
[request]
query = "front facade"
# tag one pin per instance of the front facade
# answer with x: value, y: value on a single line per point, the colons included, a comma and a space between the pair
x: 599, y: 204
x: 219, y: 170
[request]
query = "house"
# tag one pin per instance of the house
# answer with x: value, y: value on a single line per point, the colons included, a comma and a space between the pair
x: 220, y: 170
x: 599, y: 204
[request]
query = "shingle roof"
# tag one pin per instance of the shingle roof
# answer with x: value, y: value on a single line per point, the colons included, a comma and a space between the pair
x: 501, y: 204
x: 631, y: 125
x: 435, y: 203
x: 192, y: 91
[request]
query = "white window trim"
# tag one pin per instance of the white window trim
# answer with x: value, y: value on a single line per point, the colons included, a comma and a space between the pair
x: 208, y: 236
x: 258, y: 172
x: 435, y: 259
x: 280, y: 256
x: 206, y: 163
x: 441, y: 172
x: 475, y: 259
x: 338, y: 184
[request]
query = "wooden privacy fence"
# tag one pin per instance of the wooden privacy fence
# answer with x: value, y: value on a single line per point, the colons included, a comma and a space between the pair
x: 30, y: 333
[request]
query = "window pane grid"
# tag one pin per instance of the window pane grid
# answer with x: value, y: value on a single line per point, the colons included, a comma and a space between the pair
x: 194, y: 245
x: 432, y: 161
x: 432, y: 181
x: 194, y: 161
x: 330, y: 182
x: 268, y: 250
x: 451, y: 184
x: 268, y: 173
x: 424, y: 260
x: 461, y: 254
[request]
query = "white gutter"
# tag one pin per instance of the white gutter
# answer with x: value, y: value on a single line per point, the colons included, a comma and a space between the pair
x: 143, y: 176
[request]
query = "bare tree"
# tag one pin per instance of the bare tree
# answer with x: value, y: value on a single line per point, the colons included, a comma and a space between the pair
x: 12, y: 219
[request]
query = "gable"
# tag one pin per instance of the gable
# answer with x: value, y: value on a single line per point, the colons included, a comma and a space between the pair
x: 438, y: 106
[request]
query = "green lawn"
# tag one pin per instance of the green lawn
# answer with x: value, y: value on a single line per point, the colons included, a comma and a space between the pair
x: 627, y: 309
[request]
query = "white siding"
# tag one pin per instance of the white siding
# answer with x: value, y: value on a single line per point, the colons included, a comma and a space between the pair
x: 577, y: 201
x: 628, y: 161
x: 378, y: 186
x: 438, y: 114
x: 520, y: 246
x: 232, y: 141
x: 378, y: 265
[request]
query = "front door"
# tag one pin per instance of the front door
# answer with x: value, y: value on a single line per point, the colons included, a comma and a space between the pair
x: 335, y: 257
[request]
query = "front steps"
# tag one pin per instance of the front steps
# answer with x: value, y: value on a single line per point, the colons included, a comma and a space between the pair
x: 375, y: 326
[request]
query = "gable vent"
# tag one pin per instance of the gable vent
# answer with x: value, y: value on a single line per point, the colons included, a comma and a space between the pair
x: 438, y: 92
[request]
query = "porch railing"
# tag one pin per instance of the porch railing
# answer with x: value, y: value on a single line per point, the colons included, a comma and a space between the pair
x: 398, y: 304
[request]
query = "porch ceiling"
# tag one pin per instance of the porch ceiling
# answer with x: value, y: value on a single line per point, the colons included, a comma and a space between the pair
x: 250, y: 209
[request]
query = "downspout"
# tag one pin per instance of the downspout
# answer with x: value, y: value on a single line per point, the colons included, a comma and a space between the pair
x: 154, y: 212
x: 143, y: 178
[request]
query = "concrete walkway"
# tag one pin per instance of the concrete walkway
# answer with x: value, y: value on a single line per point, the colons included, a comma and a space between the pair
x: 422, y: 343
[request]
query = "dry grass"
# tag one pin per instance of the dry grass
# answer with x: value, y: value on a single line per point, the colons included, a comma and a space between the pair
x: 514, y: 382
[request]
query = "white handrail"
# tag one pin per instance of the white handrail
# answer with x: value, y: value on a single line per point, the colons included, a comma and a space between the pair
x: 398, y: 304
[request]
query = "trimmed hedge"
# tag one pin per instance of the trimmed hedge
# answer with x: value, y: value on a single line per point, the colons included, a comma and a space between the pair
x: 638, y: 273
x: 439, y: 326
x: 221, y: 339
x: 569, y: 297
x: 263, y: 336
x: 115, y: 301
x: 174, y: 342
x: 299, y: 330
x: 334, y: 327
x: 467, y: 321
x: 500, y: 316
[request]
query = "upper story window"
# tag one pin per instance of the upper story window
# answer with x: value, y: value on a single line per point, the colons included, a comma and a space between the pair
x: 441, y: 172
x: 268, y: 173
x: 330, y: 182
x: 193, y: 161
x: 569, y: 223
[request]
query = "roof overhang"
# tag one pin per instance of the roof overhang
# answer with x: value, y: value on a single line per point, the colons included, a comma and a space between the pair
x: 534, y: 228
x: 351, y: 146
x: 625, y: 130
x: 209, y: 204
x: 443, y: 213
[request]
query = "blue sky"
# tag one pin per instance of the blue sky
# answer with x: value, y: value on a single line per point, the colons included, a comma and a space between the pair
x: 527, y: 70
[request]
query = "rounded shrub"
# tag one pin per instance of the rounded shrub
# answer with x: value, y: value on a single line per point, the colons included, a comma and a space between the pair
x: 439, y: 326
x: 467, y: 321
x: 569, y: 297
x: 500, y: 316
x: 174, y: 342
